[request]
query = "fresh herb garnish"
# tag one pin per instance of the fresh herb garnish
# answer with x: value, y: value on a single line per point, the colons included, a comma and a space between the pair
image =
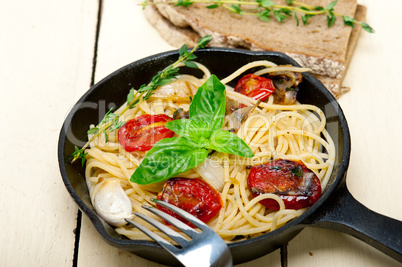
x: 199, y: 134
x: 111, y: 120
x: 297, y: 171
x: 276, y: 168
x: 265, y: 9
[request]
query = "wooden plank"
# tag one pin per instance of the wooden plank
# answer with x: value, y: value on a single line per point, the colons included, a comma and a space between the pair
x: 372, y: 109
x: 322, y: 247
x: 46, y: 50
x: 125, y: 36
x: 119, y: 44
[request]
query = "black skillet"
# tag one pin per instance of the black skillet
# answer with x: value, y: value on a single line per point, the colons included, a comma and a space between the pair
x: 336, y: 209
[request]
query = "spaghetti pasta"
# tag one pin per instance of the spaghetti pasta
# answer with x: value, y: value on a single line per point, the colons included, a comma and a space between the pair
x: 294, y: 132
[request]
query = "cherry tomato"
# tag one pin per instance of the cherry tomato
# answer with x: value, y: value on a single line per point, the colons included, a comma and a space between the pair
x: 255, y: 86
x: 192, y: 195
x: 292, y: 181
x: 141, y: 133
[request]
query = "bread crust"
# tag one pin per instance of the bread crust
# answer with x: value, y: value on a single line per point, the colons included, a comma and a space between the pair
x: 177, y: 27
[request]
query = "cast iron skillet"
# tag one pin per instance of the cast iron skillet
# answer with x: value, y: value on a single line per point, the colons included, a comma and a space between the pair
x: 336, y: 209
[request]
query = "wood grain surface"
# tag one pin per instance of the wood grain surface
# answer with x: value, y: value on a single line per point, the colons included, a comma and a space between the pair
x: 51, y: 53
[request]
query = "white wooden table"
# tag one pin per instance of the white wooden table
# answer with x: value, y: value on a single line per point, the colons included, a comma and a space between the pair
x: 47, y: 51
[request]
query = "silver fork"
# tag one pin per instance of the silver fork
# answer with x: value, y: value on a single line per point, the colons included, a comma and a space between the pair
x: 204, y: 249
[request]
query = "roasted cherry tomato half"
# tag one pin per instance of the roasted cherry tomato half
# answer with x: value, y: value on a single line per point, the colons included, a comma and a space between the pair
x: 142, y: 132
x: 255, y: 86
x: 192, y: 195
x: 292, y: 181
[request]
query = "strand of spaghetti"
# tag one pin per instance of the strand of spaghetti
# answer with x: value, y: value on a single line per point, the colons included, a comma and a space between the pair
x: 129, y: 157
x: 244, y: 223
x: 237, y: 96
x: 282, y: 146
x: 100, y: 141
x: 264, y: 146
x: 233, y: 217
x: 241, y: 207
x: 127, y: 175
x: 295, y: 117
x: 280, y: 69
x: 247, y: 67
x: 331, y: 159
x: 99, y: 174
x: 258, y: 140
x: 230, y: 209
x: 224, y: 194
x: 308, y: 134
x: 253, y: 122
x: 320, y: 165
x: 263, y: 154
x: 260, y: 129
x: 257, y: 199
x: 144, y: 107
x: 234, y: 172
x: 222, y: 211
x: 97, y: 154
x: 157, y: 107
x: 242, y: 189
x: 122, y: 167
x: 276, y: 220
x: 132, y: 234
x: 256, y: 230
x: 278, y: 119
x: 200, y: 66
x: 97, y: 164
x: 294, y: 148
x: 128, y: 114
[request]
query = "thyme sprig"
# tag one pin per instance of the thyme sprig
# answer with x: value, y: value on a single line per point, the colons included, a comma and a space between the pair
x: 265, y: 9
x: 111, y: 121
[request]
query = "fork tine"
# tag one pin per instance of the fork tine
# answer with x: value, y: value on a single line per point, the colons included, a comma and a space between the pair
x: 205, y: 248
x: 163, y: 228
x: 195, y: 221
x: 175, y: 222
x: 164, y: 243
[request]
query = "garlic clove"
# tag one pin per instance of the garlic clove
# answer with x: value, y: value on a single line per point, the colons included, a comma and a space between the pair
x: 111, y: 203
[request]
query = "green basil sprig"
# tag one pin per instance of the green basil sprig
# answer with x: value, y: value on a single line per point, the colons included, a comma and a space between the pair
x: 199, y: 134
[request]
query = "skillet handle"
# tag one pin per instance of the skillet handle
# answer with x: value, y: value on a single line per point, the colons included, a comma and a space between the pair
x: 345, y: 214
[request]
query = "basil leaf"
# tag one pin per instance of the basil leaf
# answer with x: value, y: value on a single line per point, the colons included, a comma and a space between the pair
x: 167, y: 158
x: 209, y: 103
x: 195, y: 130
x: 227, y: 142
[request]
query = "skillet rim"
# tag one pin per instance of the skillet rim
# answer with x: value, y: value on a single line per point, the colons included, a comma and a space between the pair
x: 299, y: 222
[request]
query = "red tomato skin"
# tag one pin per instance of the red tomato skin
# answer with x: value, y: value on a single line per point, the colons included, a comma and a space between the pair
x: 142, y: 132
x: 255, y: 86
x: 276, y: 177
x: 192, y: 195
